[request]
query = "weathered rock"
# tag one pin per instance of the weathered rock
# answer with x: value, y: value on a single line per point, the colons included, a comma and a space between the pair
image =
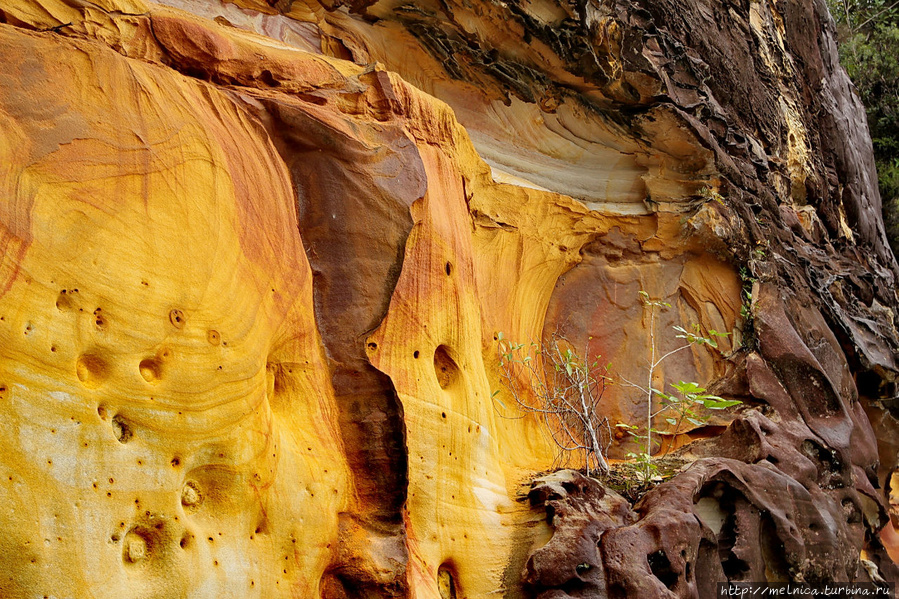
x: 168, y: 424
x: 257, y: 255
x: 581, y: 511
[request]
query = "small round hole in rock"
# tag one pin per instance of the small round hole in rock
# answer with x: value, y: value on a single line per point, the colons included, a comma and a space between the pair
x: 445, y: 367
x: 446, y: 583
x: 190, y: 495
x: 91, y: 370
x: 176, y: 317
x: 151, y: 369
x: 121, y: 429
x: 63, y: 302
x: 661, y: 568
x: 137, y: 546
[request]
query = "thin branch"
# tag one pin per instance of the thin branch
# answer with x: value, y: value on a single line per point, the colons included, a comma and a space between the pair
x: 633, y: 384
x: 876, y: 15
x: 556, y: 385
x: 671, y: 353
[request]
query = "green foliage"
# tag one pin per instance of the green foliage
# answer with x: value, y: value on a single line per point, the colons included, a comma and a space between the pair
x: 761, y: 251
x: 645, y: 468
x: 869, y: 50
x: 685, y: 403
x: 712, y: 195
x: 693, y: 336
x: 551, y: 381
x: 888, y: 177
x: 688, y: 403
x: 647, y: 301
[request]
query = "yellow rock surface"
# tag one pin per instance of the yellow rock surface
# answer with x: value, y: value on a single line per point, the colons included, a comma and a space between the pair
x: 168, y: 408
x: 167, y: 427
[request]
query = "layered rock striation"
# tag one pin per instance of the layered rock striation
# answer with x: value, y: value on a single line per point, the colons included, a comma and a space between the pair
x: 257, y: 257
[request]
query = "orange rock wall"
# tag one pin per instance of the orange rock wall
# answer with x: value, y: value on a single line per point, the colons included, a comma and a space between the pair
x: 250, y: 297
x: 168, y: 425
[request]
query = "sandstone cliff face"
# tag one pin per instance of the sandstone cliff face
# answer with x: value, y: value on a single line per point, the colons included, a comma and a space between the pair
x: 257, y: 255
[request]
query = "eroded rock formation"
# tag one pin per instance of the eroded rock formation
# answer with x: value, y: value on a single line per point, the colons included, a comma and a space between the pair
x: 257, y: 255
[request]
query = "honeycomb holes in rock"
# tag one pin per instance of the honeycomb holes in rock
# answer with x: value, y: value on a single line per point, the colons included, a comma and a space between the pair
x: 716, y: 507
x: 99, y: 320
x: 64, y: 300
x: 91, y: 370
x: 139, y: 545
x: 121, y: 429
x: 261, y: 526
x: 660, y: 566
x: 191, y: 498
x: 177, y: 318
x: 445, y: 368
x: 151, y: 369
x: 446, y: 582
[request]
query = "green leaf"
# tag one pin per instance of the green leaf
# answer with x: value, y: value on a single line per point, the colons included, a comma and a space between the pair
x: 671, y: 421
x: 716, y: 403
x: 688, y: 388
x: 696, y: 421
